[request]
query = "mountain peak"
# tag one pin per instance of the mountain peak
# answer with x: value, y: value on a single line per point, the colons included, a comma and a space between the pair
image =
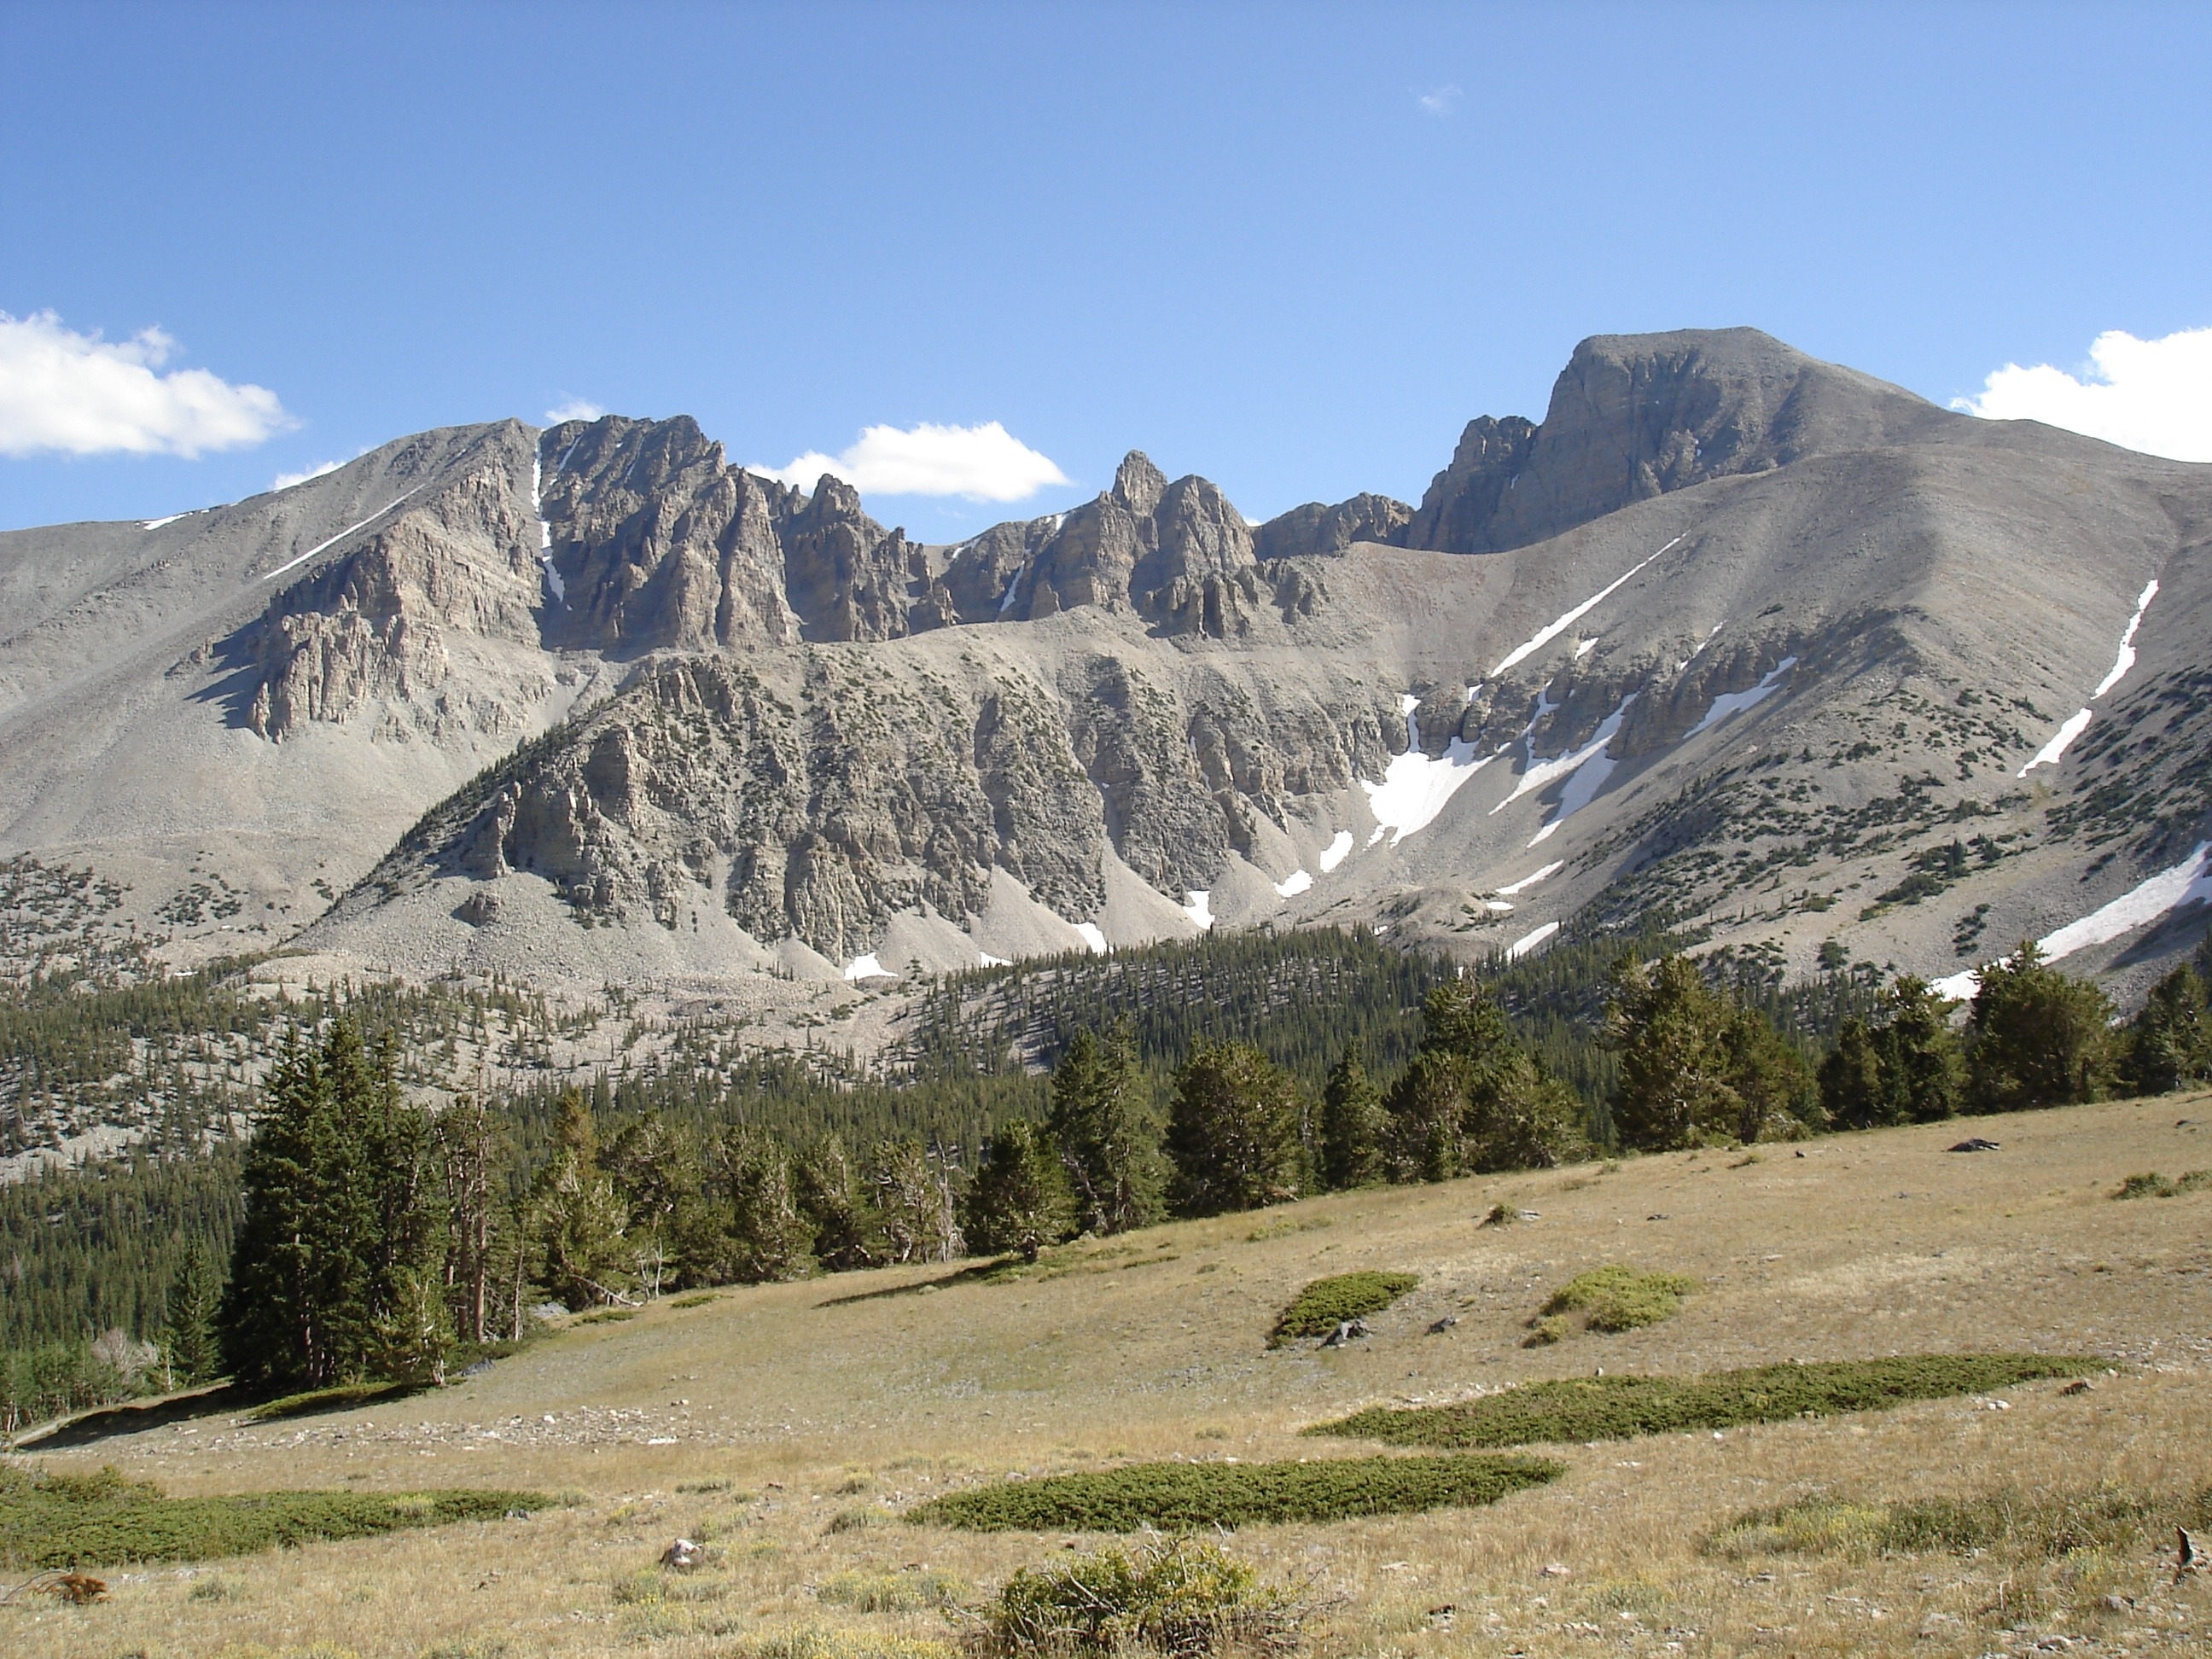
x: 1634, y: 415
x: 1139, y: 485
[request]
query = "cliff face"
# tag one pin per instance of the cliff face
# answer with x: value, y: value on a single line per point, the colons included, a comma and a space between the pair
x: 377, y: 628
x: 1635, y: 416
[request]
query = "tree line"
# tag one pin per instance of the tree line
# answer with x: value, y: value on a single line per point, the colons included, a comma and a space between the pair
x: 378, y: 1239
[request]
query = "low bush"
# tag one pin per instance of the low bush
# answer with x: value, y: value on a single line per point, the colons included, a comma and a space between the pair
x: 1618, y: 1299
x: 2154, y: 1185
x: 1326, y: 1303
x: 1622, y: 1408
x: 66, y: 1521
x: 915, y: 1590
x: 812, y: 1642
x: 1176, y: 1497
x: 2050, y: 1525
x: 1181, y: 1597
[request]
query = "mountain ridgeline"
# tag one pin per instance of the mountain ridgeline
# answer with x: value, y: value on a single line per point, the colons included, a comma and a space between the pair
x: 1733, y: 643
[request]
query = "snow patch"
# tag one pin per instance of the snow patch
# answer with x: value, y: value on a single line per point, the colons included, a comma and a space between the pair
x: 1092, y: 937
x: 990, y: 960
x: 1294, y: 884
x: 1338, y: 849
x: 1543, y: 636
x: 1522, y: 886
x: 1006, y: 599
x: 1199, y: 907
x: 2078, y: 721
x: 155, y: 524
x: 867, y: 967
x: 1527, y: 942
x: 1735, y: 702
x: 1585, y: 769
x: 1584, y: 647
x: 1414, y: 787
x: 1498, y: 905
x: 294, y: 564
x: 2061, y: 740
x: 2189, y: 881
x: 2126, y: 660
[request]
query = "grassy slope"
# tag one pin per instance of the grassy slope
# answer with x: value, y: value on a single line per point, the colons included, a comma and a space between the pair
x: 1154, y: 1346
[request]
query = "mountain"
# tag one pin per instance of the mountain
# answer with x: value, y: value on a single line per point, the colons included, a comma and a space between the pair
x: 1736, y: 639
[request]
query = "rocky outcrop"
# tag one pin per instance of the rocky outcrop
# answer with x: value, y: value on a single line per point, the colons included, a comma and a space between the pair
x: 377, y: 628
x: 1634, y: 415
x: 1317, y: 531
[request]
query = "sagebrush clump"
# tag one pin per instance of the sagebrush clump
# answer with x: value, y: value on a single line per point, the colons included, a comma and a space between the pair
x: 1622, y: 1408
x: 2045, y: 1524
x: 1183, y: 1596
x: 2155, y: 1185
x: 1613, y: 1299
x: 67, y: 1521
x: 1325, y: 1304
x: 1180, y: 1496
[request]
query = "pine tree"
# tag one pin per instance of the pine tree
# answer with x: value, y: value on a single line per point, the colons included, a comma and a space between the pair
x: 768, y: 1235
x: 1774, y: 1088
x: 1474, y: 1100
x: 1232, y: 1134
x: 830, y: 1197
x: 1672, y: 1033
x: 1351, y: 1152
x: 1019, y: 1200
x: 2169, y: 1042
x: 189, y: 1342
x: 1850, y: 1077
x: 917, y: 1216
x: 577, y: 1220
x: 1922, y: 1063
x: 466, y: 1148
x: 2038, y: 1037
x: 339, y: 1214
x: 1096, y: 1123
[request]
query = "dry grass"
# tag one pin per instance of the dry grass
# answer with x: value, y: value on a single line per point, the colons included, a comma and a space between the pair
x: 793, y: 1413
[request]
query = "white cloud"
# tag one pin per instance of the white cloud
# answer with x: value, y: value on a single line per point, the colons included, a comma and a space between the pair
x: 1439, y: 102
x: 983, y: 462
x: 81, y: 395
x: 575, y: 408
x: 286, y: 480
x: 2154, y: 396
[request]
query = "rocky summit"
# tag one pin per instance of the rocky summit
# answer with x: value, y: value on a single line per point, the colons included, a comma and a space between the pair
x: 1751, y: 645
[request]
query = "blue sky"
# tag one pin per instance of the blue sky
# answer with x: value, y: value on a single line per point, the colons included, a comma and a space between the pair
x: 1292, y: 248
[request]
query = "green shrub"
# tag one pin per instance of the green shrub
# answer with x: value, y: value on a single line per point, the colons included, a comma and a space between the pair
x: 1183, y: 1597
x: 1622, y: 1408
x: 1619, y: 1299
x: 2154, y: 1185
x: 1178, y: 1496
x: 812, y: 1641
x: 700, y: 1300
x: 64, y: 1521
x: 913, y: 1590
x: 1327, y: 1302
x: 2048, y: 1525
x: 606, y: 1315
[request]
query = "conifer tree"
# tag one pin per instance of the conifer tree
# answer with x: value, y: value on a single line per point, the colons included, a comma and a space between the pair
x: 916, y: 1213
x: 1350, y: 1151
x: 189, y: 1343
x: 830, y: 1197
x: 1675, y: 1089
x: 577, y: 1220
x: 2169, y: 1042
x: 1851, y: 1079
x: 339, y: 1214
x: 1473, y: 1099
x: 770, y: 1237
x: 1922, y: 1063
x: 1232, y: 1134
x: 2037, y: 1037
x: 1019, y: 1200
x: 1096, y: 1121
